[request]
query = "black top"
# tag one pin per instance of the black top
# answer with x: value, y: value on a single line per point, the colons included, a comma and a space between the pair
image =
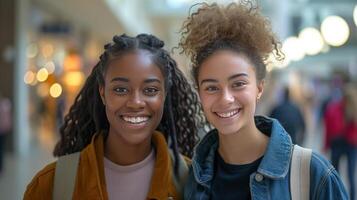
x: 232, y: 181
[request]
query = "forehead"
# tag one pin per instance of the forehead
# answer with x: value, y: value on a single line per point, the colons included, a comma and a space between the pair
x: 133, y: 65
x: 223, y: 64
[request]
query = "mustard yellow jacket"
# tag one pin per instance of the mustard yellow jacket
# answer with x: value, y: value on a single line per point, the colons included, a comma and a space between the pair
x: 90, y: 180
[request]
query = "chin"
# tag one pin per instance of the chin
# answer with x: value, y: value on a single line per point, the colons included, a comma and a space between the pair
x: 135, y: 137
x: 228, y: 131
x: 227, y: 127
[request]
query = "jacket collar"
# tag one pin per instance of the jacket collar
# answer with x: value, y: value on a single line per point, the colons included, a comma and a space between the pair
x: 162, y: 174
x: 275, y: 163
x: 161, y: 183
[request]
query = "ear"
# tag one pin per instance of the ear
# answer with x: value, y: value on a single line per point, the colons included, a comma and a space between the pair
x: 101, y: 93
x: 260, y: 89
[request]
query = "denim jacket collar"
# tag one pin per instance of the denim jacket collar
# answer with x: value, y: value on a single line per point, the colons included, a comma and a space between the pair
x: 274, y: 165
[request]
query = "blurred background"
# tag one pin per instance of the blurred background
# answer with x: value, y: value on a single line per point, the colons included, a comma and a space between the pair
x: 48, y: 47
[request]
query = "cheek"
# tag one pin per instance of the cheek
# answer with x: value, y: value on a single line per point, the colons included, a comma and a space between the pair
x: 114, y: 102
x: 206, y: 101
x: 157, y: 104
x: 249, y: 96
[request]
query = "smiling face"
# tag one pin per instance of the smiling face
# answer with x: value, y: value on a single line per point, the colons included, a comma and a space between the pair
x: 134, y: 97
x: 229, y: 90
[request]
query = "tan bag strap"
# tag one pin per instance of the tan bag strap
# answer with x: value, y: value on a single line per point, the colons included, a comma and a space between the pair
x: 300, y: 173
x: 65, y: 176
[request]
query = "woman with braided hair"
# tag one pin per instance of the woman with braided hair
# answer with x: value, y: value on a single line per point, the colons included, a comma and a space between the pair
x: 134, y: 102
x: 245, y: 156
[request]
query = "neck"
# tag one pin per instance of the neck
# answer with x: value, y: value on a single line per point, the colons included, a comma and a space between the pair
x: 123, y: 153
x: 243, y: 147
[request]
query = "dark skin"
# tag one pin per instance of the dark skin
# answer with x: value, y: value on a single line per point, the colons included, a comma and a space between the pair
x: 134, y: 98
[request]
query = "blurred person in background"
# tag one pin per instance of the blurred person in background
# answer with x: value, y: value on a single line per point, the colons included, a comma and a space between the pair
x: 340, y: 123
x: 290, y: 117
x: 134, y: 101
x: 245, y: 156
x: 350, y: 114
x: 5, y: 126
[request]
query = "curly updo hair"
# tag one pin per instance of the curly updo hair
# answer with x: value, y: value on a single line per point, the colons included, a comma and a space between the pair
x: 182, y: 116
x: 237, y: 26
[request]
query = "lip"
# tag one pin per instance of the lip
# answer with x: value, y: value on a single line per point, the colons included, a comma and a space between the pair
x: 132, y: 125
x: 228, y: 115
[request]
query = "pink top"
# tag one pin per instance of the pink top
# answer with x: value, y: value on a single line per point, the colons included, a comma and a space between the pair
x: 130, y: 181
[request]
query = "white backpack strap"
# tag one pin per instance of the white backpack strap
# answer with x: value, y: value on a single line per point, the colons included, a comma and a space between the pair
x: 65, y: 176
x: 300, y: 173
x: 181, y: 179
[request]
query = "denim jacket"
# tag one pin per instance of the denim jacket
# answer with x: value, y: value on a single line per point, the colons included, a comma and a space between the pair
x: 271, y: 180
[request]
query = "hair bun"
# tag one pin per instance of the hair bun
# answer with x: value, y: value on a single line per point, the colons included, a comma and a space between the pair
x: 150, y: 40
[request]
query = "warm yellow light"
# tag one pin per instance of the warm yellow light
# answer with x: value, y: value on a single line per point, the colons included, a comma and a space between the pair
x: 50, y: 66
x: 42, y: 75
x: 32, y: 50
x: 74, y: 78
x: 29, y: 77
x: 311, y: 41
x: 55, y: 90
x: 293, y: 49
x: 335, y: 30
x: 72, y: 62
x: 42, y: 90
x: 355, y: 15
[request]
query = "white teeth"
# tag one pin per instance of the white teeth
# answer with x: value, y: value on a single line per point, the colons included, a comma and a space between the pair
x: 135, y: 120
x: 227, y: 114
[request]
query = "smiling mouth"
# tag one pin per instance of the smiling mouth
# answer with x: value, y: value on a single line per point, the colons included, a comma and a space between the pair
x: 229, y: 114
x: 135, y: 120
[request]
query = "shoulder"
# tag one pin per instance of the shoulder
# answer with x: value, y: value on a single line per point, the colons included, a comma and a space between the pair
x: 41, y: 184
x: 326, y: 182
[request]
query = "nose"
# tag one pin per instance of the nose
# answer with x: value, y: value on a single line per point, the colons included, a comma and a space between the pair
x: 135, y: 101
x: 226, y: 97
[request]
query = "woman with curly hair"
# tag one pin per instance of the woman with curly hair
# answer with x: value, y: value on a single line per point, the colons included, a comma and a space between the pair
x: 134, y: 102
x: 245, y: 156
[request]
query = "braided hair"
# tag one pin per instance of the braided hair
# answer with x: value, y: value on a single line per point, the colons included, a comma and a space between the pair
x: 182, y: 116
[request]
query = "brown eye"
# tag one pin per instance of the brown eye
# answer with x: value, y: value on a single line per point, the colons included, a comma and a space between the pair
x: 151, y: 91
x: 121, y: 90
x: 238, y: 84
x: 211, y: 89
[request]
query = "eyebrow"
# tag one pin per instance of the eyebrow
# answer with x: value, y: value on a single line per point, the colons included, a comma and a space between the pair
x: 230, y: 78
x: 121, y: 79
x: 151, y: 80
x: 237, y: 75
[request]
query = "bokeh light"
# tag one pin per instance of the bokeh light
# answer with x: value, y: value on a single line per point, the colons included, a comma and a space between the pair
x: 335, y: 30
x: 311, y: 40
x: 42, y: 75
x: 293, y: 49
x: 50, y: 66
x: 29, y: 77
x: 74, y: 78
x: 47, y: 50
x: 55, y: 90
